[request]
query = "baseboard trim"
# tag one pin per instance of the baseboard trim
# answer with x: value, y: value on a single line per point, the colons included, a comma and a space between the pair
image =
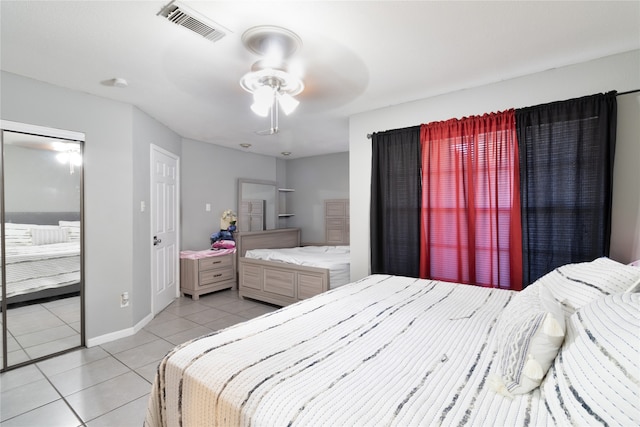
x: 112, y: 336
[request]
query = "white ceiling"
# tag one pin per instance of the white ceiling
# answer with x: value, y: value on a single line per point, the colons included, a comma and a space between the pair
x: 357, y: 56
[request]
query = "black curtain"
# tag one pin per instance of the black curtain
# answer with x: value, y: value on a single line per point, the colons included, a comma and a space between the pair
x: 566, y: 176
x: 395, y: 202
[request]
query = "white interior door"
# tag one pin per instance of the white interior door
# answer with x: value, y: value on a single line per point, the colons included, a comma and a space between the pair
x: 164, y: 228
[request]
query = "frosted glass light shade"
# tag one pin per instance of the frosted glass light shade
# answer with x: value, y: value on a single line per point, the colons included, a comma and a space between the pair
x: 262, y: 100
x: 288, y: 103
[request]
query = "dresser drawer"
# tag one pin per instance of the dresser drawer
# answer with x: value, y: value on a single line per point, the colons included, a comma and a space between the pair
x: 215, y: 262
x: 215, y: 276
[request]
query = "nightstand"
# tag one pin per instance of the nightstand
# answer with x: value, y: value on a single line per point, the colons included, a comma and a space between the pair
x: 201, y: 275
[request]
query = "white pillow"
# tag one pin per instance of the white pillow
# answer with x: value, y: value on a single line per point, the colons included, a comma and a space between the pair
x: 73, y: 228
x: 18, y: 234
x: 595, y: 377
x: 530, y: 332
x: 576, y: 285
x: 49, y: 235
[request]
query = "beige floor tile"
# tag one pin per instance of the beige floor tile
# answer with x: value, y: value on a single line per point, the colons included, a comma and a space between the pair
x: 88, y: 375
x: 54, y: 414
x: 144, y: 354
x: 103, y: 398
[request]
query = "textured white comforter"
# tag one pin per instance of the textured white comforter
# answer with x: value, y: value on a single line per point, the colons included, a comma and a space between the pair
x: 382, y: 351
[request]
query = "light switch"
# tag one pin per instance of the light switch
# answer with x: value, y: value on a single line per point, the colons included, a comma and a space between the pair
x: 207, y: 207
x: 143, y: 206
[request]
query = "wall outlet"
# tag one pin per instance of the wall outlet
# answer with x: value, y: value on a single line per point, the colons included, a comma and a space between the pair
x: 124, y: 299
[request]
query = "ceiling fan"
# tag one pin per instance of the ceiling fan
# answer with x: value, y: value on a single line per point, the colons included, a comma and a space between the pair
x: 271, y: 81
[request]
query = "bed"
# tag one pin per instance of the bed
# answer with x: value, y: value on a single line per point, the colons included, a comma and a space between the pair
x: 274, y: 268
x: 390, y: 350
x: 42, y: 260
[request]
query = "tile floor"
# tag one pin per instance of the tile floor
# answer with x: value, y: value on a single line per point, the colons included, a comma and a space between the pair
x: 38, y: 329
x: 108, y: 385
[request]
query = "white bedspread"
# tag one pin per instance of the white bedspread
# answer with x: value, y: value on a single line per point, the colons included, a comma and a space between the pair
x: 334, y: 258
x: 396, y: 351
x: 33, y: 268
x: 382, y: 351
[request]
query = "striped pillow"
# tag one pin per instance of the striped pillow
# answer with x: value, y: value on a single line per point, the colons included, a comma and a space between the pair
x: 595, y: 378
x: 49, y: 235
x: 529, y: 333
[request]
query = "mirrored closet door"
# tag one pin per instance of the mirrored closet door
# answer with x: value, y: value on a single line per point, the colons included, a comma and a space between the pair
x: 42, y: 243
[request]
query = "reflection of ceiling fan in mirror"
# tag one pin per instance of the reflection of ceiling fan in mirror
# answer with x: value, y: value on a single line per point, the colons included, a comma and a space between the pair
x: 272, y: 80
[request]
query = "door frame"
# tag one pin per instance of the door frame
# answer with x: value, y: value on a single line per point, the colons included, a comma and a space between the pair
x: 176, y: 157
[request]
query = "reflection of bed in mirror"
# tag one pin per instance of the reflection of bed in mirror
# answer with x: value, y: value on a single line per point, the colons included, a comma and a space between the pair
x: 42, y: 255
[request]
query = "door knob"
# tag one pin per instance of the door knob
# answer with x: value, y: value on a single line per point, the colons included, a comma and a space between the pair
x: 156, y: 241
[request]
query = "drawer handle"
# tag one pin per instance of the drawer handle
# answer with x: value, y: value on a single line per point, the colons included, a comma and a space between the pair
x: 217, y: 275
x: 217, y: 262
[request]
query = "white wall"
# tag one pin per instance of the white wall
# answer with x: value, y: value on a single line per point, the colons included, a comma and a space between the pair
x: 315, y: 179
x: 210, y: 175
x: 619, y: 72
x: 625, y: 230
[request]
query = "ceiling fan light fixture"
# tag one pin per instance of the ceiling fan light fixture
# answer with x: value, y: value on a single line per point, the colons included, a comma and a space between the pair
x: 261, y: 109
x: 288, y: 103
x: 271, y: 84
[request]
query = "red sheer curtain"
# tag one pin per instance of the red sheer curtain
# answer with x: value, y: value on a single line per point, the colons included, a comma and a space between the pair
x: 470, y: 215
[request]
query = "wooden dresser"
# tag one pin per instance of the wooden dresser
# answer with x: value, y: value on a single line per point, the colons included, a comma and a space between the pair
x: 203, y: 275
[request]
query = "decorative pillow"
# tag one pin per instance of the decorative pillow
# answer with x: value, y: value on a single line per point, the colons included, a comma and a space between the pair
x: 49, y: 235
x: 530, y: 332
x: 18, y: 234
x: 594, y: 378
x: 73, y: 228
x: 576, y: 285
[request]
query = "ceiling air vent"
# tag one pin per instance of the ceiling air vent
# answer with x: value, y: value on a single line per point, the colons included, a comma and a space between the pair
x: 186, y: 17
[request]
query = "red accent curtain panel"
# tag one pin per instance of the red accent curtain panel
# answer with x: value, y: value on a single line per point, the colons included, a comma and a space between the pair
x: 470, y: 213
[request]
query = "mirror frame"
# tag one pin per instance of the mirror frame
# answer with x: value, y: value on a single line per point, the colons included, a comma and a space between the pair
x: 274, y: 210
x: 11, y: 126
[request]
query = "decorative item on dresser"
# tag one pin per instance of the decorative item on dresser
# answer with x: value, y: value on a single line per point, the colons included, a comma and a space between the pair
x: 207, y: 271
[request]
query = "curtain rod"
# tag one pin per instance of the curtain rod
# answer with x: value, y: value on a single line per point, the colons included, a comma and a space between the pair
x: 628, y: 92
x: 370, y: 135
